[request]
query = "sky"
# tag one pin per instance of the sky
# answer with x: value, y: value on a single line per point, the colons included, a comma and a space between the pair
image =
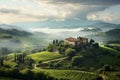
x: 13, y: 11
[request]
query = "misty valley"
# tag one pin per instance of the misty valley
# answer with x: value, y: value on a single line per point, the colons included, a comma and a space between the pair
x: 60, y: 51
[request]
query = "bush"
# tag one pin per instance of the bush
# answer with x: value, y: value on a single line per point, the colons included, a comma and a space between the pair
x: 27, y: 74
x: 98, y: 78
x: 76, y: 60
x: 107, y: 68
x: 39, y: 76
x: 96, y: 45
x: 70, y: 52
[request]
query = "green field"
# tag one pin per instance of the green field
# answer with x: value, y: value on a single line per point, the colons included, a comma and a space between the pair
x: 110, y: 49
x: 69, y: 74
x: 44, y: 56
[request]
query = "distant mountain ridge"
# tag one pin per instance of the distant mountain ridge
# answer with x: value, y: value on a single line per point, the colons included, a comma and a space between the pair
x: 105, y: 26
x: 110, y: 35
x: 14, y: 32
x: 67, y: 24
x: 56, y: 24
x: 6, y: 26
x: 113, y: 32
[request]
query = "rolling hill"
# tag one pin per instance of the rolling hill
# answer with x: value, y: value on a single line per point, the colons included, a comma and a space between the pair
x: 20, y: 39
x: 104, y: 37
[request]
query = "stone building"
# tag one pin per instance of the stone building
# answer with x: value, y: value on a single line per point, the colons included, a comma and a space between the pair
x: 76, y: 41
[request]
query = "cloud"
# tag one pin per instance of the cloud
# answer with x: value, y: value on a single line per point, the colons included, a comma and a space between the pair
x: 19, y: 0
x: 37, y: 10
x: 7, y: 11
x: 48, y: 30
x: 110, y: 15
x: 19, y: 14
x: 41, y: 11
x: 66, y: 10
x: 84, y: 2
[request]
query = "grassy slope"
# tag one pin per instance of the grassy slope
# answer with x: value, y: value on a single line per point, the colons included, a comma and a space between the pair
x: 111, y: 49
x: 111, y: 58
x: 44, y: 56
x: 99, y: 57
x: 94, y: 57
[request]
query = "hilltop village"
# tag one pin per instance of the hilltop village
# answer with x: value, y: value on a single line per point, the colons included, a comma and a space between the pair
x: 79, y: 44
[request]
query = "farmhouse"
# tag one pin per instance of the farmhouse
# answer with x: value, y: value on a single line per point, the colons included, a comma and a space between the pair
x: 76, y: 41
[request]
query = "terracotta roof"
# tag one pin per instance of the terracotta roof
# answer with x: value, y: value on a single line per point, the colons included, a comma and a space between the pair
x: 71, y: 39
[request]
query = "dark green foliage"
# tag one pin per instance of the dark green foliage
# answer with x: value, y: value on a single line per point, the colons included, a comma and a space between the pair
x: 96, y: 45
x: 76, y: 60
x: 39, y: 76
x: 91, y: 41
x: 62, y: 50
x: 27, y: 74
x: 12, y: 73
x: 107, y: 68
x: 28, y: 61
x: 51, y: 47
x: 56, y: 41
x: 53, y: 41
x: 98, y: 78
x: 70, y: 52
x: 23, y: 61
x: 1, y: 62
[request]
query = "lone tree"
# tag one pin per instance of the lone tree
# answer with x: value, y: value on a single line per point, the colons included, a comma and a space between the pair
x: 70, y: 52
x: 91, y: 41
x: 53, y: 41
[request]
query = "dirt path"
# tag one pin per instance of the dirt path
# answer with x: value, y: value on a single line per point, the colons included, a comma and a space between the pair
x: 55, y: 60
x: 59, y: 59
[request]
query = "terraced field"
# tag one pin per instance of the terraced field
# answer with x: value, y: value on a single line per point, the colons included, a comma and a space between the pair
x: 69, y: 74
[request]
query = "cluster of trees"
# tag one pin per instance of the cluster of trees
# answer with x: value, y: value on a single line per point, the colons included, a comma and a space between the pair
x: 4, y: 51
x: 59, y: 46
x: 72, y: 51
x: 62, y: 46
x: 25, y: 74
x: 23, y: 61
